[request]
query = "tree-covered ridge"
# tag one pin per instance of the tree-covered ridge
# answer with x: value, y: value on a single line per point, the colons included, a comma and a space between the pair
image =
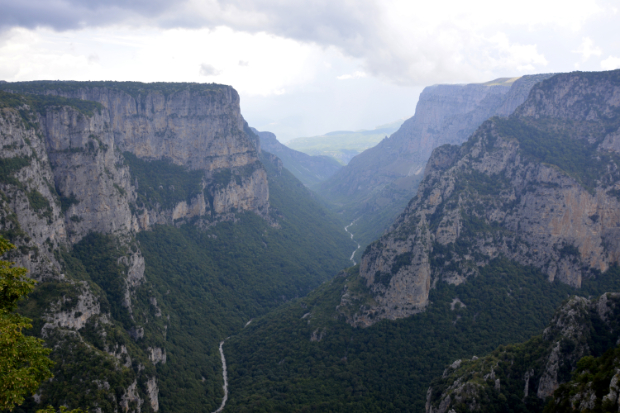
x: 41, y: 103
x: 593, y: 387
x: 132, y: 88
x: 522, y: 377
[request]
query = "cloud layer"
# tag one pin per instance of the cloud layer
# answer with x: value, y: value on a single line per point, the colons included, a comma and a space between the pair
x: 406, y: 42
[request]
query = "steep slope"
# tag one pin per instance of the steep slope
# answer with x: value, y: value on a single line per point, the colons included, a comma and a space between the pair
x: 308, y: 169
x: 522, y: 377
x: 539, y: 188
x: 377, y: 184
x: 502, y: 230
x: 150, y: 230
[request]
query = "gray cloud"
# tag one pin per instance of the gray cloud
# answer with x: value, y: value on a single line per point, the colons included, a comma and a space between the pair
x: 208, y: 70
x: 76, y: 14
x: 362, y: 29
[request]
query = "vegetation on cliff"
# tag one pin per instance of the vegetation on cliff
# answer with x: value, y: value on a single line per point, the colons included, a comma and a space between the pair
x: 23, y: 360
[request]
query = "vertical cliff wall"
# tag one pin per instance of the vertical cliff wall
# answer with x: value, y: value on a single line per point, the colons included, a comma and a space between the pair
x: 196, y: 126
x: 377, y: 184
x: 540, y: 187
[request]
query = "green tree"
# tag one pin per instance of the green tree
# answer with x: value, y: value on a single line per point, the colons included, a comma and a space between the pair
x: 23, y: 360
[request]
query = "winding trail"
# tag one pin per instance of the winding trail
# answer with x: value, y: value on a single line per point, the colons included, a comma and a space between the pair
x: 358, y: 245
x: 225, y: 374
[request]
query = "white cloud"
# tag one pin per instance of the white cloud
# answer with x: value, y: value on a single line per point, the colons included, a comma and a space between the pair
x: 179, y: 55
x: 611, y: 63
x: 355, y: 75
x: 587, y: 49
x: 208, y: 70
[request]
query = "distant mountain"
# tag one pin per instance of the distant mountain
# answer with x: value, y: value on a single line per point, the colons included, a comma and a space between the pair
x: 308, y: 169
x: 344, y: 145
x: 377, y: 184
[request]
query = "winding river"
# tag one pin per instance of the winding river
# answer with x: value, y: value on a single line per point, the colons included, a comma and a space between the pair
x: 225, y: 374
x: 358, y: 245
x: 224, y: 371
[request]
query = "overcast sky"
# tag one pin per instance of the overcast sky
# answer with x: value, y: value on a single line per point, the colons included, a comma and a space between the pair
x: 311, y: 66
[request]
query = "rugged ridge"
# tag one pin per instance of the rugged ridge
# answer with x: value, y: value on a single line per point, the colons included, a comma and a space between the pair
x: 377, y: 184
x: 526, y: 375
x: 519, y: 188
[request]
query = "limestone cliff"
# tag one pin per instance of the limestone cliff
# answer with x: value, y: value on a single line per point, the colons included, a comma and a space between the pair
x: 528, y: 373
x: 377, y: 184
x: 197, y: 126
x: 539, y: 187
x: 89, y: 165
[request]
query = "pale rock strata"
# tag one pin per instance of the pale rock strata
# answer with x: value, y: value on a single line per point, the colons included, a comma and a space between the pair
x: 131, y: 399
x: 157, y: 355
x: 548, y: 219
x: 79, y: 309
x: 153, y: 392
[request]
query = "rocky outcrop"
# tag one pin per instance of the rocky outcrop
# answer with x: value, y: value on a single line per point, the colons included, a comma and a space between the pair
x: 529, y: 373
x: 308, y: 169
x: 153, y: 393
x: 75, y: 310
x: 521, y: 188
x: 157, y: 355
x: 381, y: 180
x: 131, y: 401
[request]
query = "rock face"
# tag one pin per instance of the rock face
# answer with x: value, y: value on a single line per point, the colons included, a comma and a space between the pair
x: 81, y: 159
x: 308, y: 169
x: 539, y: 188
x: 529, y: 373
x: 382, y: 179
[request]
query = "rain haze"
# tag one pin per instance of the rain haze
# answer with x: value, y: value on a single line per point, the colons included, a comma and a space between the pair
x: 304, y: 68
